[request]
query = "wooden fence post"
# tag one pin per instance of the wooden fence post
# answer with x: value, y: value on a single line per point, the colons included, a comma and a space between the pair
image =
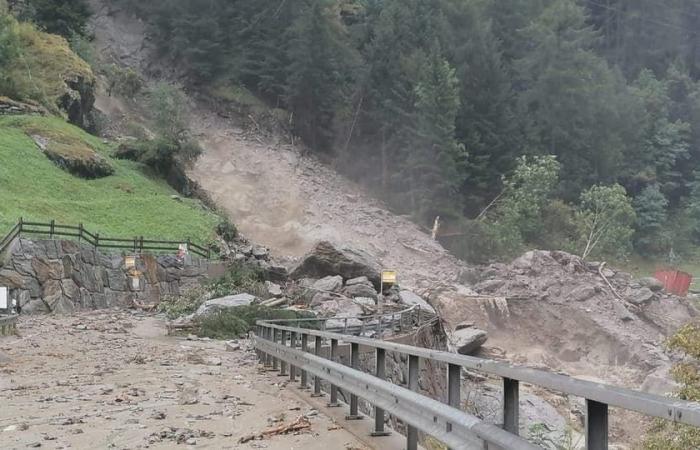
x: 52, y: 225
x: 97, y: 240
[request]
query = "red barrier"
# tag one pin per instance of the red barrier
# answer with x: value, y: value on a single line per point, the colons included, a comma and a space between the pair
x: 675, y: 281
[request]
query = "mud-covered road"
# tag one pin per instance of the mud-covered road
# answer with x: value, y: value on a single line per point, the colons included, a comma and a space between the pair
x: 112, y: 379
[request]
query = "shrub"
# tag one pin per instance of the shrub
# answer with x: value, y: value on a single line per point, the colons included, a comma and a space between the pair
x: 182, y: 305
x: 227, y: 230
x: 234, y: 322
x: 239, y: 279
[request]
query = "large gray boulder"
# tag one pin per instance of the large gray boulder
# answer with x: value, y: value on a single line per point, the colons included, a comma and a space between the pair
x: 360, y: 290
x: 325, y: 259
x: 328, y: 284
x: 639, y: 296
x: 221, y: 304
x: 467, y: 340
x: 408, y: 298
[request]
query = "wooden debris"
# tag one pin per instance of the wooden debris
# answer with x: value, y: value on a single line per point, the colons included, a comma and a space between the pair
x: 301, y: 423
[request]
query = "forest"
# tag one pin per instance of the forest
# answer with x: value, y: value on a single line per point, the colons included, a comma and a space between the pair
x: 552, y: 123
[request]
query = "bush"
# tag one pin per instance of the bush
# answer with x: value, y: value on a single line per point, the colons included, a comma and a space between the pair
x: 227, y: 230
x: 182, y: 305
x: 234, y: 322
x: 239, y: 279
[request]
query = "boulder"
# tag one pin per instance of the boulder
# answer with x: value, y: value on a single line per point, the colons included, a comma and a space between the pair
x: 583, y: 293
x: 325, y: 259
x: 410, y: 299
x: 321, y: 298
x: 467, y: 340
x: 273, y: 289
x: 360, y: 290
x: 639, y: 296
x: 260, y: 252
x: 358, y: 280
x: 652, y: 283
x: 328, y: 284
x: 221, y: 304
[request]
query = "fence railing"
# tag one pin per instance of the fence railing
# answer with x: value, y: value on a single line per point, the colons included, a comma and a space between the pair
x: 282, y: 343
x: 136, y: 244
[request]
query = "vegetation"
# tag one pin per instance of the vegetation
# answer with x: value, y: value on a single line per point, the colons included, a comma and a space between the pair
x: 66, y: 18
x: 432, y: 102
x: 666, y: 435
x: 39, y: 67
x: 233, y: 323
x: 127, y: 203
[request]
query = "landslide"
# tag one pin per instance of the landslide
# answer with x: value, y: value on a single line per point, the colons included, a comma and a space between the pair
x: 281, y: 197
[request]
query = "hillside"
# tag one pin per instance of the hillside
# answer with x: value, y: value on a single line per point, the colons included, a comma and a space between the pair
x: 127, y: 203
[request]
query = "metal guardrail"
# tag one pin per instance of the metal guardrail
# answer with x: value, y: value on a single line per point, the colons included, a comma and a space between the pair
x: 8, y: 325
x: 281, y: 343
x: 137, y: 244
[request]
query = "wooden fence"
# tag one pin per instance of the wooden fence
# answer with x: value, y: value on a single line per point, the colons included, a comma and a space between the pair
x: 137, y: 244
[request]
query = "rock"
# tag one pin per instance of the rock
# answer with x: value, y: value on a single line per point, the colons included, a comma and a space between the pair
x: 463, y: 325
x: 220, y: 304
x: 273, y: 289
x: 260, y: 252
x: 232, y: 346
x: 213, y: 361
x: 467, y: 340
x: 339, y: 308
x: 325, y: 259
x: 608, y: 273
x: 358, y: 280
x: 639, y: 296
x: 246, y: 250
x: 583, y: 293
x: 11, y: 279
x: 652, y: 283
x: 321, y: 298
x: 360, y: 290
x: 275, y: 273
x: 328, y: 284
x: 365, y: 302
x: 622, y: 312
x: 410, y: 299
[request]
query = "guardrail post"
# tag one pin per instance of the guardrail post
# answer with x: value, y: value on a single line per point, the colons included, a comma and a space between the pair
x: 413, y: 374
x: 596, y: 425
x: 283, y: 363
x: 355, y: 364
x: 379, y: 328
x: 334, y: 389
x: 380, y: 372
x: 454, y: 376
x: 511, y: 405
x: 266, y: 336
x: 275, y: 360
x: 317, y: 380
x: 304, y: 348
x: 292, y: 367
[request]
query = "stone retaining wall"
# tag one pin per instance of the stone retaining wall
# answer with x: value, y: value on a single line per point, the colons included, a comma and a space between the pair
x: 64, y: 276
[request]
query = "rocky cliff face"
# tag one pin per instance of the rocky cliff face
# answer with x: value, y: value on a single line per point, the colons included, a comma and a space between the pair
x: 65, y: 276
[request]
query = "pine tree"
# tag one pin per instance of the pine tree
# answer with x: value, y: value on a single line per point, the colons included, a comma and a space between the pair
x: 318, y: 75
x: 434, y: 164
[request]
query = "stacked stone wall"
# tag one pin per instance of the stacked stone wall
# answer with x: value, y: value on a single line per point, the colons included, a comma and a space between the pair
x: 65, y: 276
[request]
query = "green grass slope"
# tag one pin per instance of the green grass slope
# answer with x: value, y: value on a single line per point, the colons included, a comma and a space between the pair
x: 128, y: 203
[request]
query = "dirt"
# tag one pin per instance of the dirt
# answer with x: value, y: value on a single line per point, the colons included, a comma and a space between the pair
x: 113, y: 379
x: 277, y: 195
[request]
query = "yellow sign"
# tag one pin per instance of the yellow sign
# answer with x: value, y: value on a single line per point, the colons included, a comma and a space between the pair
x: 388, y: 277
x: 130, y: 262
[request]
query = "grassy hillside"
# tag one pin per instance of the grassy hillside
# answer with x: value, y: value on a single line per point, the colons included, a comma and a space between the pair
x: 127, y: 203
